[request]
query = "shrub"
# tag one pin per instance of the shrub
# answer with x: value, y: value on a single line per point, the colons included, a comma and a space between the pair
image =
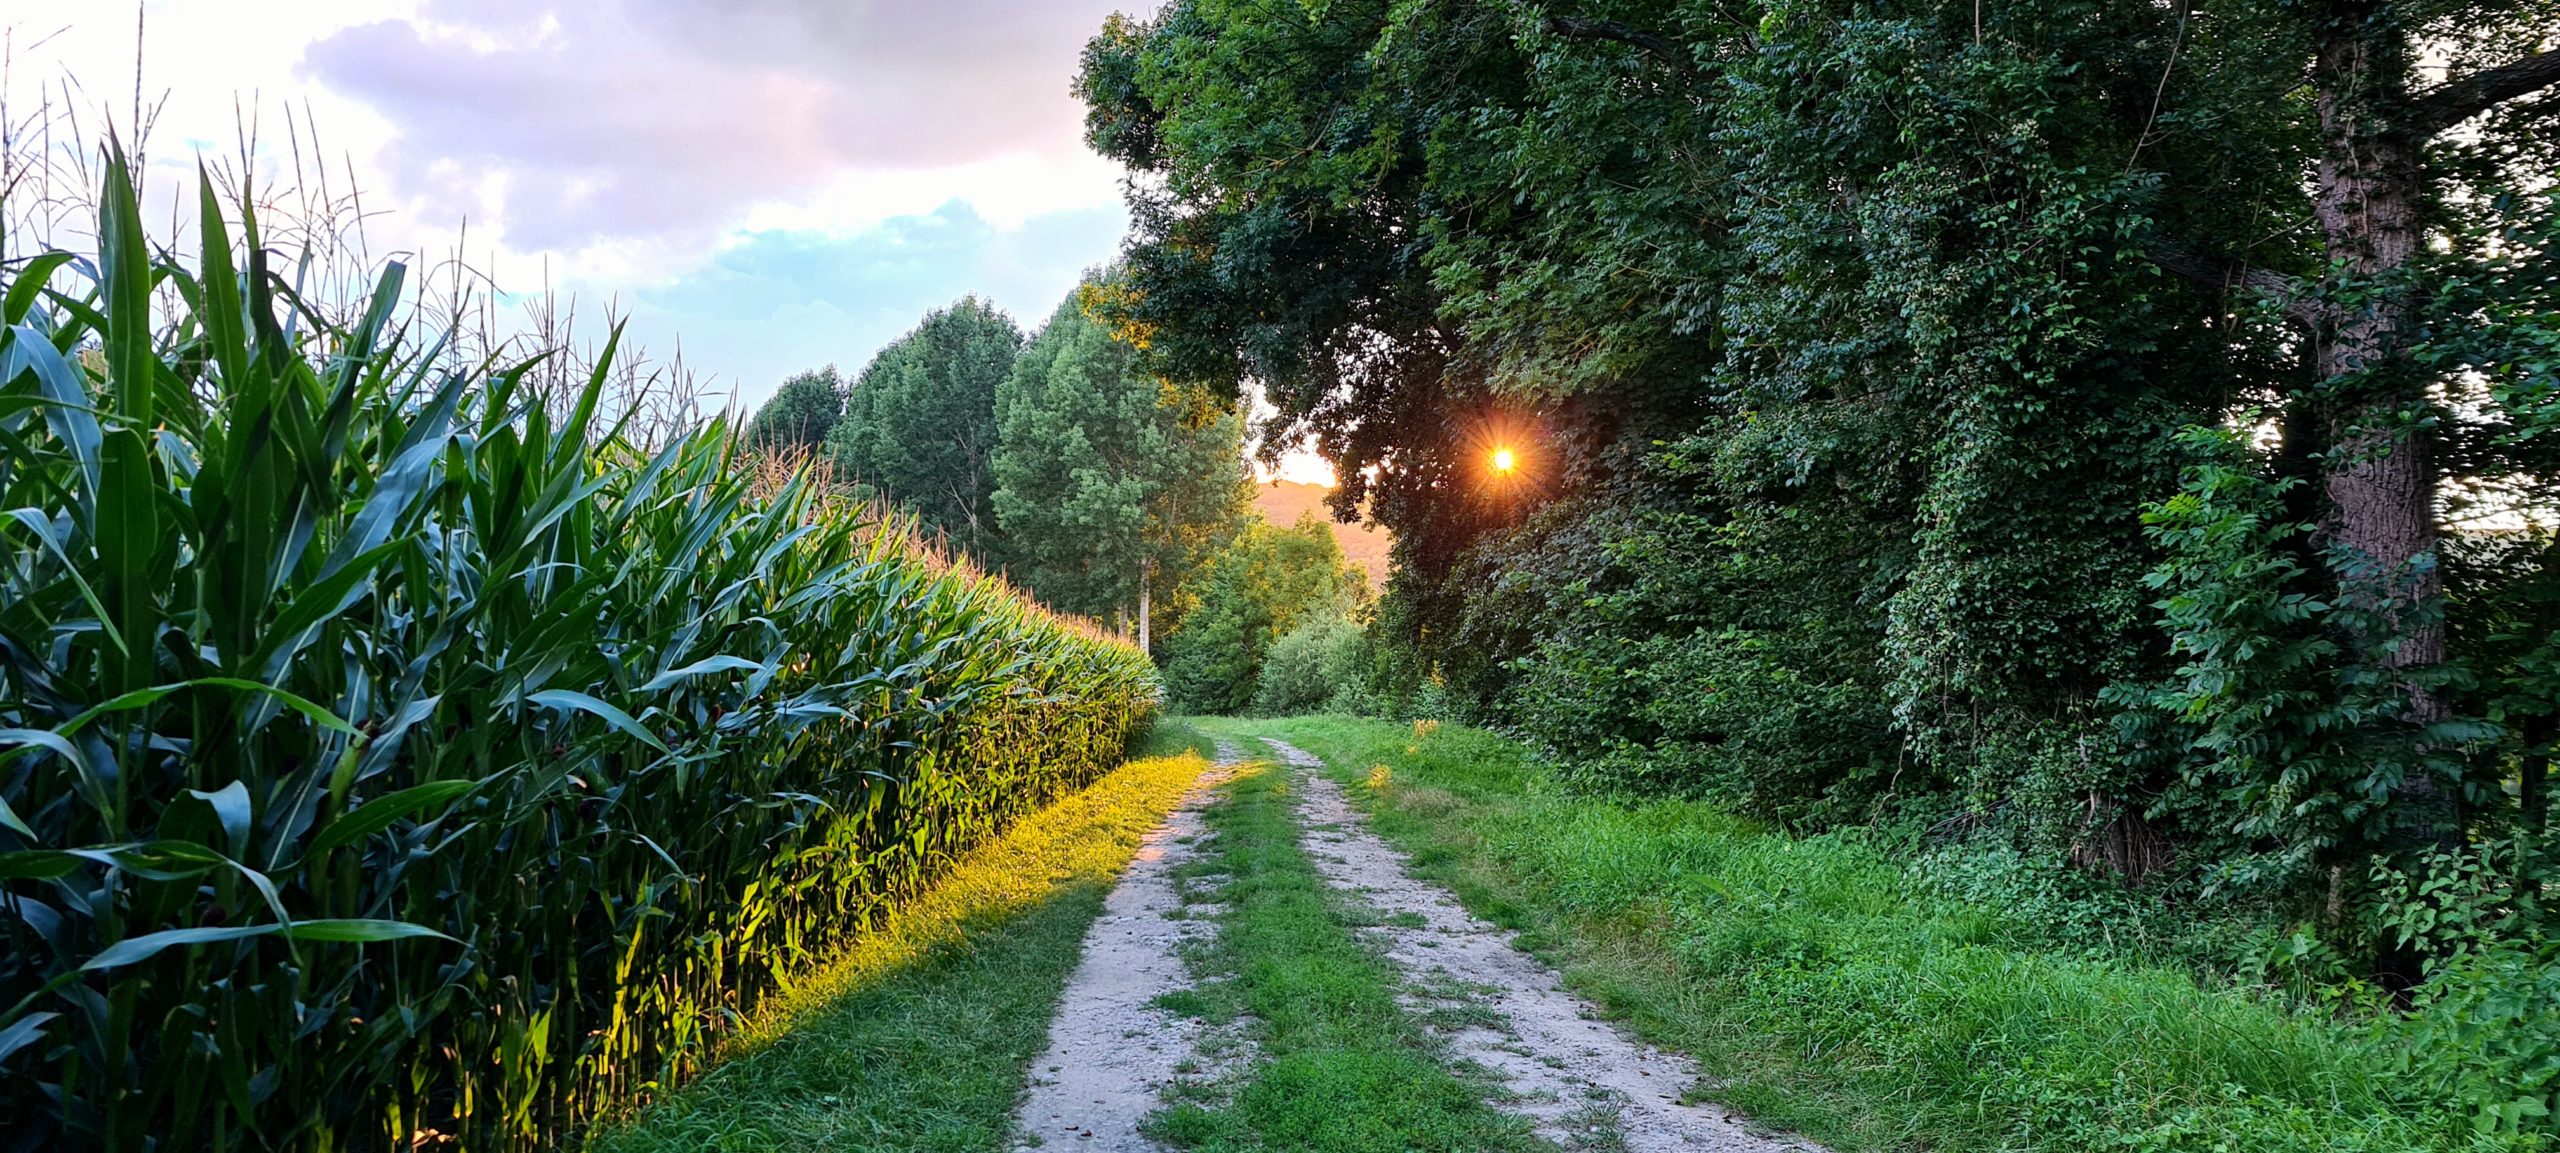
x: 389, y: 750
x: 2485, y: 1037
x: 1311, y: 666
x: 1254, y: 591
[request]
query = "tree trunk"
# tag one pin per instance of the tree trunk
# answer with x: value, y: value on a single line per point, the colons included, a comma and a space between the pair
x: 2380, y: 480
x: 1146, y: 605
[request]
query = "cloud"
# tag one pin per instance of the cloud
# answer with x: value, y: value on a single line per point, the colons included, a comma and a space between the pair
x: 776, y: 302
x: 571, y: 124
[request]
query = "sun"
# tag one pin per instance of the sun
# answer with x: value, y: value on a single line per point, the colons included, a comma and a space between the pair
x: 1503, y: 461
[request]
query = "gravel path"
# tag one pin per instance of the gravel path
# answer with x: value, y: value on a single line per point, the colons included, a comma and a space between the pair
x: 1579, y: 1080
x: 1111, y: 1051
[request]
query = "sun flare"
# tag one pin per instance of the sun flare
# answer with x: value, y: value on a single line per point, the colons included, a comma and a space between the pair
x: 1504, y: 461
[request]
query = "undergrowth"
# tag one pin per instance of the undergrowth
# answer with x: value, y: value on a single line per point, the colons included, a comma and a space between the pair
x: 1829, y: 987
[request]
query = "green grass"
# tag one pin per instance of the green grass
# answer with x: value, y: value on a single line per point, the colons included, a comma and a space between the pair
x: 1340, y: 1066
x: 1833, y: 997
x: 920, y: 1036
x: 1173, y: 736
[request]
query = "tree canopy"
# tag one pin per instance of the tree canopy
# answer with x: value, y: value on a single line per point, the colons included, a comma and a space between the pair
x: 1262, y: 585
x: 919, y: 424
x: 1923, y: 394
x: 801, y: 413
x: 1111, y: 486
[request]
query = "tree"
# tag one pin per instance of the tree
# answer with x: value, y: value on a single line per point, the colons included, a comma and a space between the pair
x: 1262, y: 585
x: 1110, y: 484
x: 2389, y: 174
x: 801, y: 413
x: 1315, y: 666
x: 1415, y: 225
x: 1861, y: 337
x: 919, y: 426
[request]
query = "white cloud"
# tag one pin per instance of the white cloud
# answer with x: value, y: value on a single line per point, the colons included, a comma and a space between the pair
x: 682, y: 118
x: 773, y: 303
x: 774, y: 184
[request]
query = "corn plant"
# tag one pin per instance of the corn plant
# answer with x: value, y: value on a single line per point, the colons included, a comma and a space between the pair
x: 393, y: 755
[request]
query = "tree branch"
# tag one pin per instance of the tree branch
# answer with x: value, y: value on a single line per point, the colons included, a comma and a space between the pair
x: 2460, y: 100
x: 1586, y: 28
x: 2285, y: 290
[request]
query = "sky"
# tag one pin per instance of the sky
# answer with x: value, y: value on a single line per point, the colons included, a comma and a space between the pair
x: 767, y: 185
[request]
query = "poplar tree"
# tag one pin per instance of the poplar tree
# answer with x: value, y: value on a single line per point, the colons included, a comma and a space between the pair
x: 1110, y: 485
x: 919, y: 426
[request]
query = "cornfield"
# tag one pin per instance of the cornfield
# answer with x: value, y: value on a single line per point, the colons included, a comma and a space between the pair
x: 395, y: 755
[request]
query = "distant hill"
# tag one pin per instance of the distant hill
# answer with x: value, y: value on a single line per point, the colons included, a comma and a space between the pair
x: 1282, y: 502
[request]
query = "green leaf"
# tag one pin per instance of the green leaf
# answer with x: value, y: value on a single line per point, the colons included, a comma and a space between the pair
x: 140, y: 698
x: 226, y: 331
x: 379, y: 813
x: 23, y: 1032
x: 69, y: 410
x: 360, y: 929
x: 230, y: 805
x: 315, y: 605
x: 38, y: 864
x: 124, y: 259
x: 698, y: 668
x: 30, y: 283
x: 565, y: 699
x: 128, y: 538
x: 94, y: 782
x: 149, y: 945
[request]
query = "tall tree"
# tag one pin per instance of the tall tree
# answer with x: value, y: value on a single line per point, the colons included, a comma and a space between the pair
x: 801, y: 413
x: 1111, y: 485
x: 919, y: 426
x: 2396, y: 164
x: 1926, y: 295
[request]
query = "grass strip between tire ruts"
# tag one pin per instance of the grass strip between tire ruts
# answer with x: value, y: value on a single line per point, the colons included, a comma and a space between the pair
x: 1340, y: 1065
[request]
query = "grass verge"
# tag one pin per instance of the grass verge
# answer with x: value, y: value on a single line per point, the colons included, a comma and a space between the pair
x: 1341, y: 1066
x: 1830, y: 996
x: 919, y: 1037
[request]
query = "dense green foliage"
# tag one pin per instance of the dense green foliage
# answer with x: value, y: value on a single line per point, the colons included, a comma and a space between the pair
x: 388, y: 748
x: 1871, y: 990
x: 1863, y: 349
x: 920, y: 427
x: 1319, y: 665
x: 1111, y: 487
x: 1262, y: 585
x: 801, y: 413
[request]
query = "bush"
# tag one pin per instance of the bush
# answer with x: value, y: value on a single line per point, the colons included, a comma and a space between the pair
x: 392, y: 751
x: 1253, y: 592
x: 1311, y: 667
x: 2485, y: 1036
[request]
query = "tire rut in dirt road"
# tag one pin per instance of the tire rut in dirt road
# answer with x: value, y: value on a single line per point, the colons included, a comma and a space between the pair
x: 1111, y: 1051
x: 1577, y: 1078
